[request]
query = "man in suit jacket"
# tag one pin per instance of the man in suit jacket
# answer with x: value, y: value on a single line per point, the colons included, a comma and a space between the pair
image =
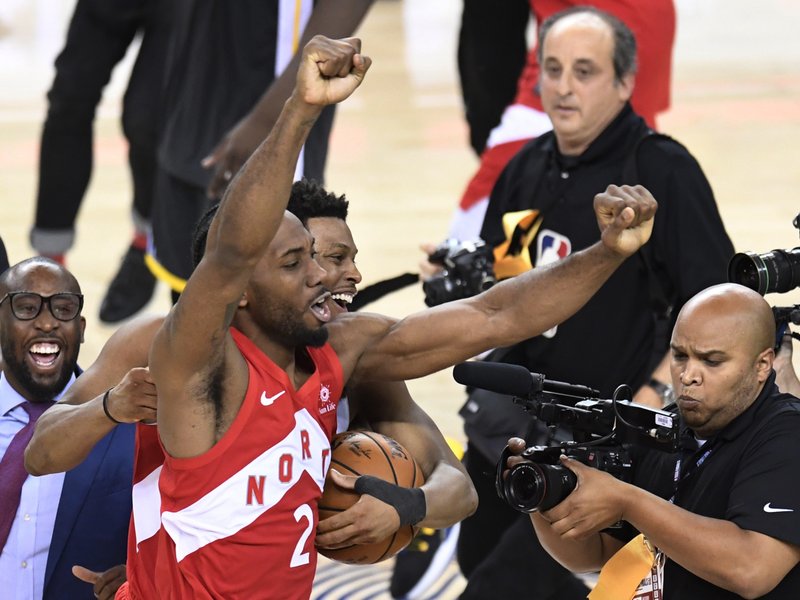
x: 67, y: 537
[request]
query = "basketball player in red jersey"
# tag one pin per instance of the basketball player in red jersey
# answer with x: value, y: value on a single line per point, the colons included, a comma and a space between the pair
x: 75, y: 426
x: 247, y: 385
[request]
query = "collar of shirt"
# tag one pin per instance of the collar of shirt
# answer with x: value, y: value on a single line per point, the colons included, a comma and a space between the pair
x: 689, y: 443
x: 745, y: 420
x: 611, y: 141
x: 11, y: 398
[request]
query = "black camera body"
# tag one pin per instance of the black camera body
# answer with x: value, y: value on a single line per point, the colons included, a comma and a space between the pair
x: 467, y: 271
x: 773, y: 271
x: 543, y: 482
x: 602, y: 431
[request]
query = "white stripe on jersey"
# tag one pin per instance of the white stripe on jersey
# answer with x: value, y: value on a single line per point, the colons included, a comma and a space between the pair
x: 147, y: 507
x: 224, y: 511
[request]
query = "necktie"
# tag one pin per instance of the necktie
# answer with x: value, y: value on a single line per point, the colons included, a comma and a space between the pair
x: 12, y: 469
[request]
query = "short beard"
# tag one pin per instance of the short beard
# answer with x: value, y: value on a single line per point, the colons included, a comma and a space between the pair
x: 316, y: 338
x: 41, y: 391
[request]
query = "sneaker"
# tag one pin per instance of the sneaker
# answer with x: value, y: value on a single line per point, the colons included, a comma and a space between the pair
x: 130, y: 290
x: 423, y: 561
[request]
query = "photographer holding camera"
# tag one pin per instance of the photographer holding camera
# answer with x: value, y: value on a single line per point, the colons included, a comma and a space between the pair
x: 731, y: 526
x: 540, y: 211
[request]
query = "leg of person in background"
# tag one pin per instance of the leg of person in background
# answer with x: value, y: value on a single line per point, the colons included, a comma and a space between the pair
x: 133, y: 285
x: 498, y: 551
x: 97, y: 39
x: 491, y: 53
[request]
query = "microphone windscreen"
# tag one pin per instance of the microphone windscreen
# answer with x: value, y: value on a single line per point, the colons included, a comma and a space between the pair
x: 513, y: 380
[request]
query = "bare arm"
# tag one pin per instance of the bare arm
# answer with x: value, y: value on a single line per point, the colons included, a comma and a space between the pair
x: 67, y: 432
x: 332, y: 18
x: 193, y: 345
x: 745, y: 562
x: 786, y: 376
x: 586, y: 555
x: 509, y: 312
x: 449, y: 494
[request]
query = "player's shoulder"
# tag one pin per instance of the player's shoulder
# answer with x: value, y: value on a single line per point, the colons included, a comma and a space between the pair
x: 353, y: 332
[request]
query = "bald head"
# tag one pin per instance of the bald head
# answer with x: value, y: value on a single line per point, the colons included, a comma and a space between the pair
x: 16, y: 275
x: 736, y: 309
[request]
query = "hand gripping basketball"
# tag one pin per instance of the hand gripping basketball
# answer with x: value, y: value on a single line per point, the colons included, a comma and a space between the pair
x: 408, y: 502
x: 354, y: 525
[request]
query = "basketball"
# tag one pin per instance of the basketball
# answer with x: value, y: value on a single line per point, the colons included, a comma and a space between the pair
x: 368, y: 453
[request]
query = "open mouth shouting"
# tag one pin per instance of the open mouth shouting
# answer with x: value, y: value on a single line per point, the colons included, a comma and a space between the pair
x: 343, y: 299
x: 320, y: 308
x: 44, y: 355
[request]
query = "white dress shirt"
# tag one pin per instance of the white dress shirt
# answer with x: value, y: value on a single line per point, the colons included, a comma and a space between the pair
x: 24, y: 557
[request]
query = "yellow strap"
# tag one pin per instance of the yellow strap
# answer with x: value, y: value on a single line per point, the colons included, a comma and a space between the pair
x: 508, y: 263
x: 622, y: 574
x: 160, y: 272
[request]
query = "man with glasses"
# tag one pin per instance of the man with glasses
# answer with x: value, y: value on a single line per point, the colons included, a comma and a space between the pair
x: 62, y: 535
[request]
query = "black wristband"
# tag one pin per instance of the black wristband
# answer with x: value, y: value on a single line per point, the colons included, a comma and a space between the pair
x: 408, y: 502
x: 105, y: 406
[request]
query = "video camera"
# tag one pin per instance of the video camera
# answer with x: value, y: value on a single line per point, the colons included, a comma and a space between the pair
x: 773, y: 271
x: 601, y: 429
x: 467, y: 271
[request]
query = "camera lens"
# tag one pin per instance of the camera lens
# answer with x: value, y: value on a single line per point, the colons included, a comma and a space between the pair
x: 439, y: 289
x: 536, y: 486
x: 774, y: 271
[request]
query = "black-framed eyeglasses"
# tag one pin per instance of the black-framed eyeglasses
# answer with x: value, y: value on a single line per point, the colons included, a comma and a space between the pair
x: 26, y: 306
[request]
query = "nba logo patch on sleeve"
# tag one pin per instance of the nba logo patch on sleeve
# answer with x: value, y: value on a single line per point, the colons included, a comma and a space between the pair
x: 550, y: 247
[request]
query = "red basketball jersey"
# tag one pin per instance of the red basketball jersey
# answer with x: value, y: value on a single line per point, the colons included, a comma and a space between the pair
x: 239, y: 521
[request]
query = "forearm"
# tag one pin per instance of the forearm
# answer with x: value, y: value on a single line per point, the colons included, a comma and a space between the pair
x: 555, y: 292
x: 253, y: 206
x: 579, y: 556
x: 65, y: 435
x: 511, y: 311
x: 449, y: 496
x: 715, y: 550
x: 389, y: 409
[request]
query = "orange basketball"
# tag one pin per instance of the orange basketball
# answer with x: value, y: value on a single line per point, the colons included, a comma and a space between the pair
x: 368, y: 453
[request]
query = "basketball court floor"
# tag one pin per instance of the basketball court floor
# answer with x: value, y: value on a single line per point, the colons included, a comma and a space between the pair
x: 400, y: 153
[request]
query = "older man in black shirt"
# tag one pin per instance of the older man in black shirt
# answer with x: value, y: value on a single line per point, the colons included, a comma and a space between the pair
x: 732, y: 526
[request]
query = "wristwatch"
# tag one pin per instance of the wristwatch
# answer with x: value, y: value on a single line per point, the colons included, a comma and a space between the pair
x: 664, y: 390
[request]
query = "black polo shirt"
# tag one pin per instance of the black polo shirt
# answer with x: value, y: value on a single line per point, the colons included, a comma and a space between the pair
x: 748, y: 476
x: 610, y: 340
